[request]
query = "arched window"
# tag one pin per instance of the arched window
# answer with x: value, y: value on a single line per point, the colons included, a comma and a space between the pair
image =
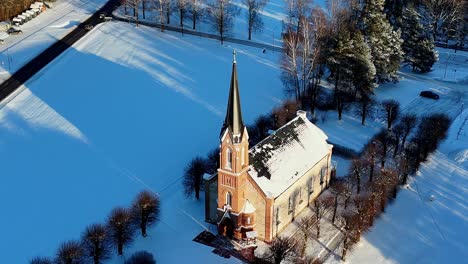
x: 228, y: 158
x: 228, y: 199
x: 242, y: 156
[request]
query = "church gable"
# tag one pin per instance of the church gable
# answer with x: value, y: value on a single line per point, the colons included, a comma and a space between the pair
x: 283, y: 157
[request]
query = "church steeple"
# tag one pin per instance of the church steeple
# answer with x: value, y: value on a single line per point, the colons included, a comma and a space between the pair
x: 233, y: 120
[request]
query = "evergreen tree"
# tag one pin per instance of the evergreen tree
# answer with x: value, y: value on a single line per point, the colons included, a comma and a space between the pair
x: 363, y: 69
x: 419, y: 49
x: 384, y: 41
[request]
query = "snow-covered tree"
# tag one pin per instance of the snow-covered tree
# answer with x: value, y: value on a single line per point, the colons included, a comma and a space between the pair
x: 254, y: 19
x: 384, y: 41
x: 222, y: 14
x: 419, y: 49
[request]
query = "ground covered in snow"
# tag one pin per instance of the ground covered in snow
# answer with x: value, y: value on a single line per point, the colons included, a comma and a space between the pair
x: 42, y: 31
x: 79, y: 144
x: 417, y: 230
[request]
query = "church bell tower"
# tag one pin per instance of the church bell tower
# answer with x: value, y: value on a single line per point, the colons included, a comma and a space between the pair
x: 234, y: 163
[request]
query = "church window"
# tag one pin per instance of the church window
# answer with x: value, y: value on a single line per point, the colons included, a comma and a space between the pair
x: 228, y: 199
x: 290, y: 205
x: 321, y: 176
x: 228, y: 158
x: 242, y: 157
x: 248, y: 220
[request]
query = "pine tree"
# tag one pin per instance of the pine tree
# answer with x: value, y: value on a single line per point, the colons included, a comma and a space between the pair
x: 363, y: 69
x: 384, y: 41
x: 419, y: 48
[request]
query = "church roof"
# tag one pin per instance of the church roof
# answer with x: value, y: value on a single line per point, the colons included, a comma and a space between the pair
x: 282, y: 158
x: 233, y: 120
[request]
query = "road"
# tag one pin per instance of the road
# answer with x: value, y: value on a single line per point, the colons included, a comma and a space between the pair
x: 40, y: 61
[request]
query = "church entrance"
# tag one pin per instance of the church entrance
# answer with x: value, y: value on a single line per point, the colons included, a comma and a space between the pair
x: 226, y: 228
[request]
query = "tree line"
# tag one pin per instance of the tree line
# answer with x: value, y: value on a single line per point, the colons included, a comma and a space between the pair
x: 219, y: 14
x: 98, y: 241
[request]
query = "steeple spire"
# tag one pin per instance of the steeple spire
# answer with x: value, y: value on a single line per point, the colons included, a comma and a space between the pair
x: 233, y: 120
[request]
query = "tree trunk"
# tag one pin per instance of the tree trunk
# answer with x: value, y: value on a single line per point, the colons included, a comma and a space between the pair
x: 194, y: 20
x: 144, y: 9
x: 335, y: 208
x: 120, y: 248
x: 250, y: 32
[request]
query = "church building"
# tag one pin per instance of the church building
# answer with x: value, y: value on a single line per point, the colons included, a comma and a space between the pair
x: 258, y: 190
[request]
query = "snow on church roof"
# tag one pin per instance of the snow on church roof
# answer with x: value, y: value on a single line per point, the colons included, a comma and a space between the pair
x: 248, y: 208
x: 283, y: 157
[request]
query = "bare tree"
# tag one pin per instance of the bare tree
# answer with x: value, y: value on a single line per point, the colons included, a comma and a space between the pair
x: 222, y: 15
x: 321, y: 206
x: 41, y: 260
x: 290, y: 64
x: 370, y: 153
x: 96, y: 243
x: 391, y: 110
x: 366, y: 108
x: 349, y: 231
x: 212, y: 161
x: 408, y: 122
x: 193, y: 177
x: 254, y: 20
x: 383, y: 140
x: 196, y: 11
x: 121, y: 230
x: 146, y: 210
x: 443, y: 14
x: 162, y: 6
x: 70, y: 252
x: 182, y: 6
x: 281, y: 249
x: 141, y: 257
x: 305, y: 225
x: 135, y: 5
x: 356, y: 172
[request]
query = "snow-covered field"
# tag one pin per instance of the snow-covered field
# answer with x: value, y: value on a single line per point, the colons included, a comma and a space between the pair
x: 417, y: 230
x: 126, y: 108
x: 78, y: 143
x: 43, y: 31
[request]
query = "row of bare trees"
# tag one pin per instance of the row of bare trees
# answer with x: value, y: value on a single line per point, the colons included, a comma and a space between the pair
x: 219, y: 13
x: 98, y: 241
x: 354, y: 202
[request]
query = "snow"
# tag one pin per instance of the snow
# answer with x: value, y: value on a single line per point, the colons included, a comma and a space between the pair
x: 296, y: 155
x: 42, y: 31
x: 88, y: 141
x: 417, y: 230
x: 248, y: 208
